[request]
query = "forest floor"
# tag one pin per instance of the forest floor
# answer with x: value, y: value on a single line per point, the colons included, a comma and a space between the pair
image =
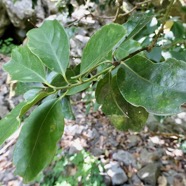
x: 126, y: 156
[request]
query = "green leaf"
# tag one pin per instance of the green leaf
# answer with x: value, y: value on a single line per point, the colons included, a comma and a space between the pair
x: 158, y: 87
x: 67, y: 109
x: 25, y: 66
x: 10, y: 123
x: 100, y: 44
x: 78, y: 88
x: 59, y: 81
x: 31, y: 102
x: 51, y: 44
x: 22, y: 87
x: 126, y: 48
x: 36, y: 144
x: 136, y: 23
x: 122, y: 114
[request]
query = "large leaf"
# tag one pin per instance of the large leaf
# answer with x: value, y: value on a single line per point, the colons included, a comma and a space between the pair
x: 10, y: 123
x: 25, y: 66
x: 36, y: 144
x: 122, y: 114
x: 159, y: 87
x: 53, y: 48
x: 100, y: 44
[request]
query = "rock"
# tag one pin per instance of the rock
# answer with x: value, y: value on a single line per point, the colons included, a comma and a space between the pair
x: 22, y: 14
x: 117, y: 175
x: 149, y: 157
x: 149, y: 174
x: 179, y: 180
x: 133, y: 140
x: 125, y: 157
x: 162, y: 181
x: 97, y: 152
x: 135, y: 180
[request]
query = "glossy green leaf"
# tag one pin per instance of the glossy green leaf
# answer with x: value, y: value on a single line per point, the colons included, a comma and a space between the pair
x: 51, y: 44
x: 158, y: 87
x: 136, y: 23
x: 10, y: 123
x: 24, y: 66
x: 67, y: 108
x: 36, y: 144
x: 126, y: 48
x: 100, y: 44
x: 122, y: 114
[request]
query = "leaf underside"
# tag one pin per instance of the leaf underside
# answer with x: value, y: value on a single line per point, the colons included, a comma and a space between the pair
x: 53, y: 48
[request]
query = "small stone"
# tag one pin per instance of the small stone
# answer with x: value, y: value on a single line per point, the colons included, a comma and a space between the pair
x: 162, y: 181
x: 97, y: 151
x: 125, y: 157
x: 179, y: 180
x: 117, y: 175
x: 149, y: 174
x: 133, y: 140
x: 149, y: 157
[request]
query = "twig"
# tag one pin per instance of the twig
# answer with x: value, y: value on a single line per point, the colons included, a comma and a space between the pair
x: 162, y: 26
x: 153, y: 43
x: 134, y: 8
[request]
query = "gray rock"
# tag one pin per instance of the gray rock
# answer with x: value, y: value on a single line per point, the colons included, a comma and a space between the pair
x: 149, y: 157
x: 20, y: 11
x: 125, y: 157
x: 133, y: 140
x: 117, y: 175
x: 135, y: 181
x: 149, y: 174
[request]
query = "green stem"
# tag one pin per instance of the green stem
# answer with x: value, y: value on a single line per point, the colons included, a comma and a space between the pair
x: 85, y: 73
x: 87, y: 80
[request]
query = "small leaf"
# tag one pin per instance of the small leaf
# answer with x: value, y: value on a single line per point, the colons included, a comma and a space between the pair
x: 122, y: 114
x: 78, y: 88
x: 25, y: 66
x: 53, y: 48
x: 67, y: 109
x: 158, y: 87
x: 100, y: 44
x: 36, y: 144
x: 10, y: 123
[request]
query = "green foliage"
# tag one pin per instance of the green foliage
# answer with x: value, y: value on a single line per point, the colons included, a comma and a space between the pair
x: 6, y: 46
x: 119, y: 62
x: 78, y: 169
